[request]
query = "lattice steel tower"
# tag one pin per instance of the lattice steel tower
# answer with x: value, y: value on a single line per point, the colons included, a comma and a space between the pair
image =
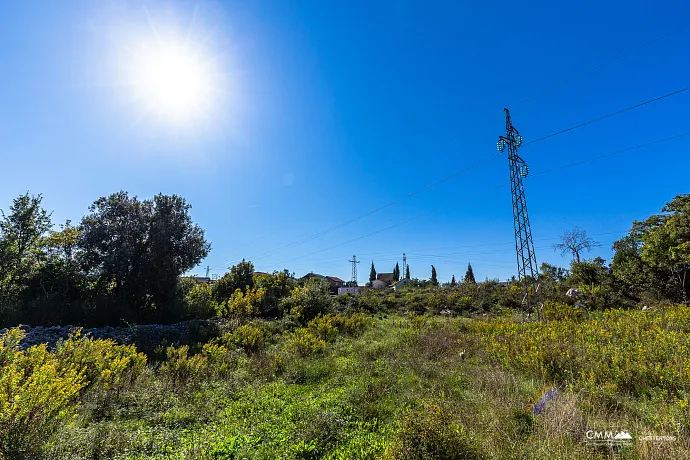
x: 354, y: 269
x: 524, y: 247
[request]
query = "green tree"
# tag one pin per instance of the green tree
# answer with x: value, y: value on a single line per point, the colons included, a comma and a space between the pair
x: 372, y: 272
x: 434, y: 280
x: 587, y: 272
x: 469, y: 275
x: 452, y: 281
x: 396, y: 272
x: 667, y: 244
x: 136, y: 250
x: 174, y: 245
x: 55, y: 291
x: 240, y: 276
x: 551, y: 278
x: 21, y: 240
x: 552, y: 274
x: 276, y: 286
x: 635, y: 277
x: 407, y: 271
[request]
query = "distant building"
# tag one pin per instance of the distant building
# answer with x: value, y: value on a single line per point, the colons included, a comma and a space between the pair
x: 402, y: 283
x: 350, y: 290
x: 311, y: 275
x: 378, y: 284
x: 198, y: 279
x: 333, y: 281
x: 388, y: 278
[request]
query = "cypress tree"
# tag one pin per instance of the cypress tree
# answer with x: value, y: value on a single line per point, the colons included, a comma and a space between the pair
x: 469, y: 276
x: 372, y: 273
x: 434, y: 281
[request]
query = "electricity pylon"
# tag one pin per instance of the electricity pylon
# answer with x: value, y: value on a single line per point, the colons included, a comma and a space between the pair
x: 524, y: 247
x: 354, y: 269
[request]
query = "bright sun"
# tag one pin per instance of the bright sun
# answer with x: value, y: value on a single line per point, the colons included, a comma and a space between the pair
x: 174, y: 81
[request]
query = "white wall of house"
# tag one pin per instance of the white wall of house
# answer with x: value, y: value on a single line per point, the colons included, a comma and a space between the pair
x: 402, y: 283
x: 350, y: 290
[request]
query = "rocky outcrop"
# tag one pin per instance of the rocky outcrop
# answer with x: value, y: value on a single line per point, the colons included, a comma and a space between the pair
x: 146, y: 336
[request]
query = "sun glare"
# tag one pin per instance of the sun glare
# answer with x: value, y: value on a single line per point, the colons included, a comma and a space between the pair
x: 174, y: 81
x: 172, y: 71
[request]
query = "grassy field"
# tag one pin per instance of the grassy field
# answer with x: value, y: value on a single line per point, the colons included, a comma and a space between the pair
x: 393, y: 387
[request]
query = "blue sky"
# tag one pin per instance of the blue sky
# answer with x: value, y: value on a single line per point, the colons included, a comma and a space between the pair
x: 327, y: 110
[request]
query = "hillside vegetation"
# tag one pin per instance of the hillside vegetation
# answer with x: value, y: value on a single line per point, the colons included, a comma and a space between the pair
x: 285, y: 369
x: 352, y: 386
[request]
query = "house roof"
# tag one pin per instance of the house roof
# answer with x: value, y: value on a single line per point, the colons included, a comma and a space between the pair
x: 313, y: 275
x: 335, y: 279
x: 386, y: 277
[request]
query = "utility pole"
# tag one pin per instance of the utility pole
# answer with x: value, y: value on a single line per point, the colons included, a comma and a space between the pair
x: 354, y: 269
x: 524, y: 247
x: 404, y: 267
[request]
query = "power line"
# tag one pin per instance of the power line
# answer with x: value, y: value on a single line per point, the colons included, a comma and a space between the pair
x: 618, y: 152
x: 380, y: 208
x: 452, y: 175
x: 488, y: 191
x: 397, y: 225
x: 613, y: 114
x: 459, y: 172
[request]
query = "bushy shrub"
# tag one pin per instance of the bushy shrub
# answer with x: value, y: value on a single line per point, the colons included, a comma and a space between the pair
x: 419, y: 322
x: 554, y: 311
x: 199, y: 302
x: 309, y: 301
x: 37, y: 393
x: 325, y: 327
x: 303, y: 342
x: 347, y: 303
x: 103, y: 362
x: 330, y: 325
x: 221, y: 360
x: 241, y: 304
x: 277, y: 285
x: 248, y: 336
x: 431, y: 432
x: 182, y: 370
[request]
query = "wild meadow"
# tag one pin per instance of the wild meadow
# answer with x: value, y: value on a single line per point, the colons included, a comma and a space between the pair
x: 357, y: 385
